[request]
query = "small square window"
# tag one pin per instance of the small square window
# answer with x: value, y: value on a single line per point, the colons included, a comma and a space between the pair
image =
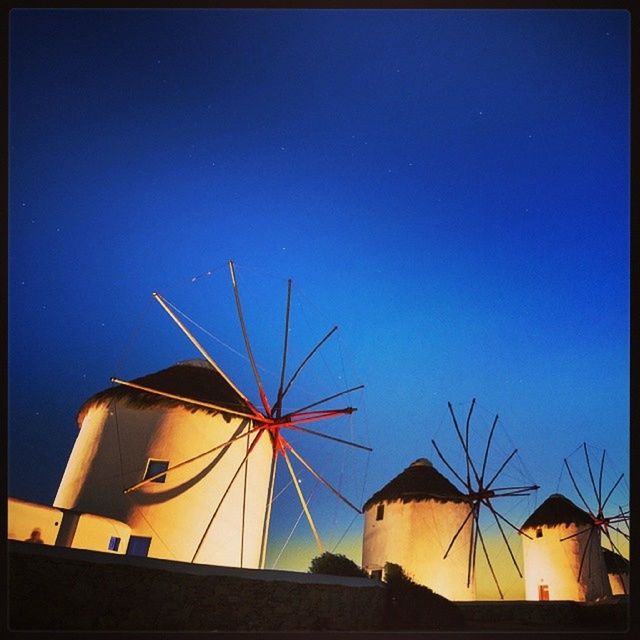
x: 154, y: 467
x: 114, y: 543
x: 538, y: 533
x: 138, y: 546
x: 380, y: 512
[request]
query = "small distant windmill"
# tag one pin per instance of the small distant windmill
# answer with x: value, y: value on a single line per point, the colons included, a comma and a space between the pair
x: 480, y: 492
x: 617, y: 520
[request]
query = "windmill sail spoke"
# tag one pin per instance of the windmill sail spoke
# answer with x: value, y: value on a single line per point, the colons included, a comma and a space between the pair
x: 244, y: 508
x: 617, y: 482
x: 513, y: 492
x: 600, y: 478
x: 468, y: 459
x: 584, y: 553
x: 486, y: 555
x: 593, y: 482
x: 246, y: 434
x: 475, y: 553
x: 303, y: 502
x: 611, y: 542
x: 575, y: 486
x: 499, y: 515
x: 245, y: 335
x: 457, y: 533
x: 623, y: 516
x: 277, y: 409
x: 307, y: 358
x: 577, y: 533
x: 504, y: 537
x: 622, y: 533
x: 474, y: 542
x: 224, y: 495
x: 435, y: 446
x: 315, y: 404
x: 315, y: 416
x: 199, y: 403
x: 267, y: 515
x: 486, y: 451
x: 502, y: 466
x: 165, y: 305
x: 466, y: 437
x: 295, y: 427
x: 320, y: 479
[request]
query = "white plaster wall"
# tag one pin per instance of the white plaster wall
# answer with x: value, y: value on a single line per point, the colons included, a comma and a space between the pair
x: 94, y: 532
x: 416, y: 535
x: 111, y: 453
x: 23, y: 517
x: 556, y: 563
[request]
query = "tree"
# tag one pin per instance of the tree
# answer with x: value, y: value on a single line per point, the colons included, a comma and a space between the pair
x: 413, y: 606
x: 336, y: 565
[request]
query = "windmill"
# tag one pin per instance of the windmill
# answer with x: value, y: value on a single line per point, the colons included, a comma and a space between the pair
x: 480, y: 492
x: 246, y: 441
x: 601, y: 520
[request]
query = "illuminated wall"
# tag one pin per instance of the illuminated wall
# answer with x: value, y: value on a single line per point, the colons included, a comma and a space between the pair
x: 101, y: 534
x: 65, y: 528
x: 552, y: 565
x: 24, y: 517
x: 619, y: 583
x: 114, y: 445
x: 416, y: 535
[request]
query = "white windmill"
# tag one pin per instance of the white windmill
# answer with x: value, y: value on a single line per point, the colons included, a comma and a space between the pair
x: 423, y: 522
x: 410, y: 521
x: 189, y: 462
x: 480, y: 489
x: 564, y: 556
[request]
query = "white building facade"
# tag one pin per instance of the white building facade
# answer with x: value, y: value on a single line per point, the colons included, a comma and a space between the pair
x: 411, y: 522
x: 562, y: 554
x: 210, y: 510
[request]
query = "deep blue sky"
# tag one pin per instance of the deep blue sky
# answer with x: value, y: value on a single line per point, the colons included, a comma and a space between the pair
x: 450, y: 187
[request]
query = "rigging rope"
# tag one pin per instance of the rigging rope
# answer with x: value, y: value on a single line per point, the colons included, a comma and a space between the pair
x: 282, y: 491
x: 335, y: 546
x: 199, y: 326
x: 134, y: 333
x: 273, y: 566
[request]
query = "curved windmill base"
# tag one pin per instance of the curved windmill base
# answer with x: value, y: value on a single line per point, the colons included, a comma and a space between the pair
x: 415, y: 535
x: 552, y: 565
x: 115, y: 444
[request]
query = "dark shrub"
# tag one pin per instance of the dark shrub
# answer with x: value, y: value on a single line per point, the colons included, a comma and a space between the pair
x: 336, y: 565
x: 413, y: 606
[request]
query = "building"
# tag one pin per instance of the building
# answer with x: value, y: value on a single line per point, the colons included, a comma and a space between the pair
x: 618, y: 572
x: 411, y: 522
x: 38, y: 523
x: 212, y: 509
x: 562, y: 554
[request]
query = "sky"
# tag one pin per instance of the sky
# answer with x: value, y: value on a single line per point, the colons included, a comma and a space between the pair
x: 450, y: 188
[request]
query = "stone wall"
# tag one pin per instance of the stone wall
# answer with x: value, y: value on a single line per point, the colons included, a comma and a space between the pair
x: 560, y: 615
x: 63, y: 589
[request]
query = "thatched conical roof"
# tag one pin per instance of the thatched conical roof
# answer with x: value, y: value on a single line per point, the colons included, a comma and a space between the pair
x: 418, y: 482
x: 614, y: 562
x: 555, y: 510
x: 191, y: 379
